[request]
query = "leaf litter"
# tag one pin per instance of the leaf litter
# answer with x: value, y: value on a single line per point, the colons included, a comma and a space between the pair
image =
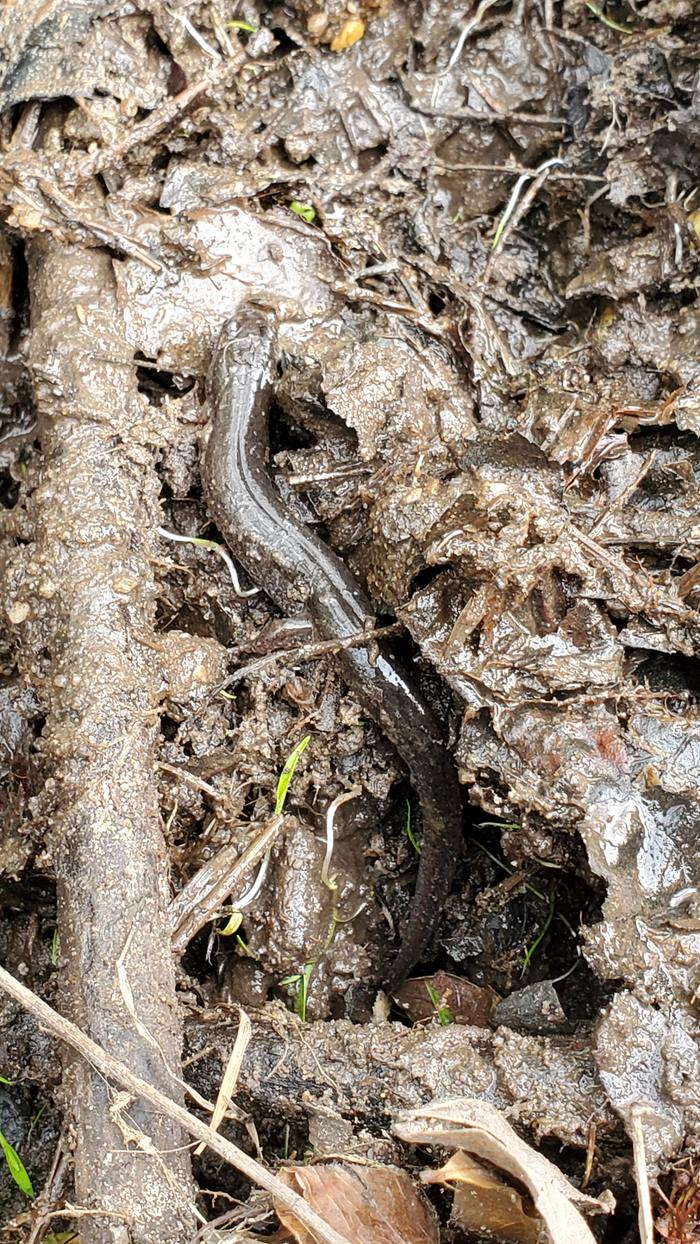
x: 501, y: 439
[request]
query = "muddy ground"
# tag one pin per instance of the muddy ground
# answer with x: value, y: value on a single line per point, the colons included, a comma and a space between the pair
x: 478, y: 228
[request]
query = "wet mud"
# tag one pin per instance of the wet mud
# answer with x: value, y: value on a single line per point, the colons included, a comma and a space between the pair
x: 476, y: 234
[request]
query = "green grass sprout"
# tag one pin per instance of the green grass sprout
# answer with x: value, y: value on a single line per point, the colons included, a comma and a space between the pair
x: 409, y: 831
x: 219, y: 549
x: 500, y: 864
x: 232, y: 925
x: 442, y: 1010
x: 287, y: 773
x: 301, y: 981
x: 607, y: 21
x: 236, y: 919
x: 4, y: 1080
x: 305, y: 210
x: 245, y: 26
x: 16, y: 1167
x: 39, y: 1114
x: 337, y: 919
x: 534, y: 945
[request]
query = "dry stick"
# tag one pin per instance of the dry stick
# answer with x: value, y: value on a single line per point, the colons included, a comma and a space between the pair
x: 641, y: 1177
x: 115, y: 1070
x: 310, y: 652
x: 80, y: 168
x: 199, y: 900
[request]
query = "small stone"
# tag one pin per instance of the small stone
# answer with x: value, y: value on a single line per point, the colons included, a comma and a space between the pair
x: 316, y: 23
x: 19, y: 612
x: 350, y: 32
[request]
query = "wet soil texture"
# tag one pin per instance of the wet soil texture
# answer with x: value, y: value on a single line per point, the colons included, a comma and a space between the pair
x: 476, y: 231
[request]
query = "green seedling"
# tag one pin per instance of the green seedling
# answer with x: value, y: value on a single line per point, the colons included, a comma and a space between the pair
x: 305, y: 210
x: 409, y: 831
x: 442, y: 1011
x: 337, y: 919
x: 607, y: 21
x: 534, y: 946
x: 4, y: 1080
x: 200, y: 543
x: 232, y: 925
x: 244, y: 26
x: 236, y: 919
x: 507, y: 825
x: 287, y: 773
x: 40, y: 1112
x: 16, y: 1167
x: 301, y: 981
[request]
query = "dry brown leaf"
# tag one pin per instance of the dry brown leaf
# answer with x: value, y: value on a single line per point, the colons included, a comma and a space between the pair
x: 368, y: 1204
x: 484, y: 1202
x: 477, y: 1127
x: 467, y: 1003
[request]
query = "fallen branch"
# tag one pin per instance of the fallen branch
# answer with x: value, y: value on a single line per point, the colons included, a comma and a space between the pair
x: 116, y: 1071
x: 121, y: 1075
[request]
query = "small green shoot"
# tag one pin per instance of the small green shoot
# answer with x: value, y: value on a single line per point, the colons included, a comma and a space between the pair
x: 409, y: 831
x: 226, y: 695
x: 607, y: 21
x: 54, y: 948
x: 337, y: 919
x: 244, y: 26
x: 301, y: 980
x: 244, y: 947
x: 232, y: 925
x: 534, y: 945
x: 528, y: 886
x: 442, y: 1011
x: 287, y: 773
x: 16, y: 1167
x: 305, y: 210
x: 200, y: 543
x: 39, y: 1114
x: 4, y: 1080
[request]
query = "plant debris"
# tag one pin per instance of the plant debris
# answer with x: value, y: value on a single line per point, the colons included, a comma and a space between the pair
x: 478, y: 233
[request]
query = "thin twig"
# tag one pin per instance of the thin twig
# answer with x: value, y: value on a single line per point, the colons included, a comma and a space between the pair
x: 310, y: 652
x: 641, y: 1177
x: 190, y: 780
x: 200, y: 899
x: 115, y: 1070
x: 516, y: 170
x: 80, y: 168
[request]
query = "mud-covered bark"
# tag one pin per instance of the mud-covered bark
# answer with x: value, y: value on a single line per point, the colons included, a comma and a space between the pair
x: 89, y: 590
x: 366, y: 1075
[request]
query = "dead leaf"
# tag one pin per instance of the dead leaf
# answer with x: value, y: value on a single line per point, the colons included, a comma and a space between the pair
x: 368, y: 1204
x: 475, y: 1126
x: 484, y: 1202
x: 466, y: 1003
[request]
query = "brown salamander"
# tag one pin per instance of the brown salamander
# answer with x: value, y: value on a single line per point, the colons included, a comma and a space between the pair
x: 299, y: 572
